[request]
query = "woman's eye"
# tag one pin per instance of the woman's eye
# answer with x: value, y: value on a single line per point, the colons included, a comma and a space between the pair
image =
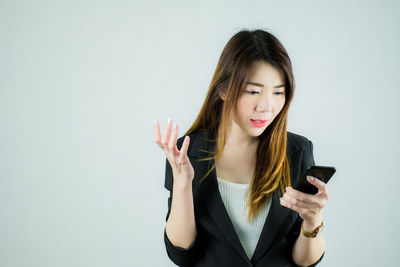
x: 252, y: 92
x: 279, y: 93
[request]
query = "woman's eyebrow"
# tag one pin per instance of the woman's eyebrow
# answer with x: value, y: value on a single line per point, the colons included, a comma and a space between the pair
x: 262, y: 85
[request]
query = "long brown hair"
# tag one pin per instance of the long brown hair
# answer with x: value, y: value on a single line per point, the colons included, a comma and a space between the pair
x: 234, y: 65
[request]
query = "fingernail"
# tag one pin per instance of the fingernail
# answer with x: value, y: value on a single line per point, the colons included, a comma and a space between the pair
x: 155, y: 122
x: 174, y: 126
x: 310, y: 178
x: 168, y: 120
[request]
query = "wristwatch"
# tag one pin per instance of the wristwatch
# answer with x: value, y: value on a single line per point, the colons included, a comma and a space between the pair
x: 314, y: 233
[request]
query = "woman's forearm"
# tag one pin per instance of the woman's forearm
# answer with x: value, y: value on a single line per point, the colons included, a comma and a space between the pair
x: 181, y: 226
x: 306, y: 250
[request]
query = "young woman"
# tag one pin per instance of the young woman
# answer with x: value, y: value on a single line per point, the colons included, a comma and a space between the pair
x: 230, y: 178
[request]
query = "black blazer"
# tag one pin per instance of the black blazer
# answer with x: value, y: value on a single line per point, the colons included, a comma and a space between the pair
x: 217, y: 243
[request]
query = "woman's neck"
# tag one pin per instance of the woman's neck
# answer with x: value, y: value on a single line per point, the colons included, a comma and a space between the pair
x: 236, y: 137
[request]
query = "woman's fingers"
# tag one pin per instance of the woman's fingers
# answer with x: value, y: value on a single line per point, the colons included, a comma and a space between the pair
x: 166, y: 133
x: 300, y: 209
x: 300, y: 199
x: 308, y: 206
x: 173, y: 139
x: 322, y: 187
x: 317, y: 201
x: 182, y: 153
x: 157, y: 134
x: 168, y: 140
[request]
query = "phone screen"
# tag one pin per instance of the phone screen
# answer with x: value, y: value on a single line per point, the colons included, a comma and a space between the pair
x: 323, y: 173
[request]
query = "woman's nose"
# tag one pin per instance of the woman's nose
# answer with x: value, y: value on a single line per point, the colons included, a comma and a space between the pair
x: 264, y: 106
x: 260, y: 108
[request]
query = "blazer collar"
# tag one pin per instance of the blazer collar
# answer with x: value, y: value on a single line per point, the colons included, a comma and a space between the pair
x: 278, y: 220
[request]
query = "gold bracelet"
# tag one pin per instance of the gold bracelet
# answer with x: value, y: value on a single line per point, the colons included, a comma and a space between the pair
x: 312, y: 234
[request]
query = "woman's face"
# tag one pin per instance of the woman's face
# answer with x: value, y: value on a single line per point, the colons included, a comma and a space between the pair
x: 261, y: 100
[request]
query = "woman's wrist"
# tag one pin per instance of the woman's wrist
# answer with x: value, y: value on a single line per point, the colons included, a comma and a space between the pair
x: 310, y: 226
x: 312, y: 233
x: 183, y: 184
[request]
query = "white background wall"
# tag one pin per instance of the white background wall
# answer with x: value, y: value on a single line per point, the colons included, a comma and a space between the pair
x: 81, y: 181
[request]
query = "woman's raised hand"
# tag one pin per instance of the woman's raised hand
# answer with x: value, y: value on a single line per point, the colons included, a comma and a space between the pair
x: 182, y: 169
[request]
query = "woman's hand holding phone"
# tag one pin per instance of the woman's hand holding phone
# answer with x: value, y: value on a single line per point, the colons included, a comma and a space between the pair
x: 182, y: 169
x: 310, y: 195
x: 309, y: 206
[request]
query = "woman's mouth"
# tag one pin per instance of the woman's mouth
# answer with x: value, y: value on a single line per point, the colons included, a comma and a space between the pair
x: 258, y: 123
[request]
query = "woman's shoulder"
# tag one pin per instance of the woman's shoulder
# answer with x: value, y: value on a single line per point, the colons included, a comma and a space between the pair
x: 297, y: 140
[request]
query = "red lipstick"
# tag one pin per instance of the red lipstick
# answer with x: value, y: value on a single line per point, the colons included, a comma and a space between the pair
x: 258, y: 123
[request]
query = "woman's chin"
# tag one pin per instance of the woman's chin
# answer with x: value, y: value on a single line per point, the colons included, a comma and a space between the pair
x: 256, y: 132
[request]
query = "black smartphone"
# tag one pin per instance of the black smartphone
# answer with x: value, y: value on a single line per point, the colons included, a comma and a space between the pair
x: 323, y: 173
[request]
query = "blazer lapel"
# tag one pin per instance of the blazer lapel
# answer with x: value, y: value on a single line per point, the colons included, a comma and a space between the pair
x: 209, y: 201
x: 279, y: 218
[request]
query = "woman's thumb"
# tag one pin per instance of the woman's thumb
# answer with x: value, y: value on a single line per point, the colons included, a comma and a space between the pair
x: 183, y: 152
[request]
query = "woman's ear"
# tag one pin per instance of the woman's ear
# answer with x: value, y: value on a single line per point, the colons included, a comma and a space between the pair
x: 222, y: 95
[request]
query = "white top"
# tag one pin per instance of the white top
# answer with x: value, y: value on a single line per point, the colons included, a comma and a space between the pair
x: 234, y: 196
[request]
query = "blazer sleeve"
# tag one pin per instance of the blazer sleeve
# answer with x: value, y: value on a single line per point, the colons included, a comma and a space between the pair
x: 180, y: 256
x: 295, y: 231
x: 312, y: 162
